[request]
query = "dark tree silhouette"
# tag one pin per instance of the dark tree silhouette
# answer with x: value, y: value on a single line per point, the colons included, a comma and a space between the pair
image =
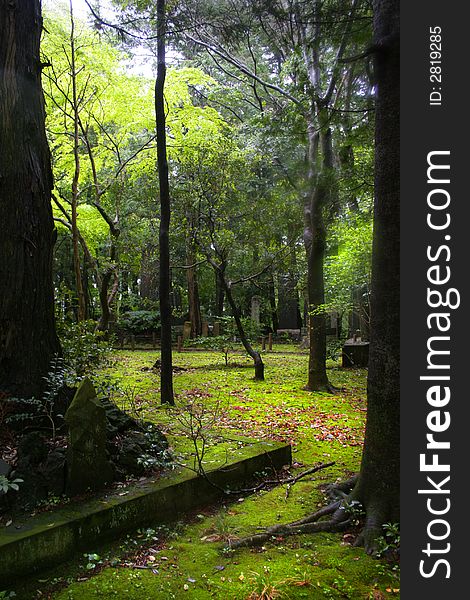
x: 28, y: 340
x: 378, y: 484
x: 166, y: 373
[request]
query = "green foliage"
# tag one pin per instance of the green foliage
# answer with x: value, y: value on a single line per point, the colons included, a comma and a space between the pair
x: 334, y: 348
x: 6, y: 485
x: 218, y: 343
x: 93, y: 560
x: 355, y: 511
x: 33, y: 409
x: 389, y: 543
x: 140, y: 321
x: 84, y: 348
x: 348, y: 265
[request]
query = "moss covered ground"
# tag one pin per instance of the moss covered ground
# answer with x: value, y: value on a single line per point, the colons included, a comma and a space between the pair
x: 188, y: 560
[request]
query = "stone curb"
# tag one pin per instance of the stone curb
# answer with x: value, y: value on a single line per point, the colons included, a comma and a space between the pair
x: 53, y: 537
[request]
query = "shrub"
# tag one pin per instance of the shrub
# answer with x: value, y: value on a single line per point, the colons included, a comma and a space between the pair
x: 84, y: 348
x: 140, y: 321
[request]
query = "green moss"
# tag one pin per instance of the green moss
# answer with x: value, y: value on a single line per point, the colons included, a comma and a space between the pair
x: 196, y: 570
x: 321, y: 427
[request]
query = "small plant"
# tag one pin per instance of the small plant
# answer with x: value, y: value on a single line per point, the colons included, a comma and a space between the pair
x: 6, y: 485
x: 264, y: 587
x: 93, y: 561
x: 355, y: 511
x: 29, y: 409
x: 343, y: 587
x: 4, y: 594
x: 52, y: 501
x: 197, y: 422
x: 218, y: 343
x: 334, y: 348
x: 105, y: 385
x: 163, y: 460
x: 389, y: 543
x: 228, y: 340
x: 129, y: 395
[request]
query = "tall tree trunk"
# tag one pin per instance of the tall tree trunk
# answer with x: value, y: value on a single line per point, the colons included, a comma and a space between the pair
x: 149, y: 273
x: 192, y: 282
x: 219, y: 290
x: 106, y: 296
x: 320, y: 187
x: 378, y: 485
x: 194, y: 302
x: 272, y: 302
x: 28, y: 340
x: 166, y: 373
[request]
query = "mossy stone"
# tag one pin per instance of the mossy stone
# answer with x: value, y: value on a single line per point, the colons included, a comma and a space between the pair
x: 88, y: 467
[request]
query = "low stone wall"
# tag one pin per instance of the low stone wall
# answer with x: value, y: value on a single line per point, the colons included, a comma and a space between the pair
x: 53, y: 537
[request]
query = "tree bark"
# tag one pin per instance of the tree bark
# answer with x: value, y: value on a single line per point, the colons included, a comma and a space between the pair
x: 378, y: 485
x: 319, y: 196
x: 106, y: 296
x: 219, y: 290
x: 81, y: 314
x: 28, y: 340
x: 256, y: 356
x: 166, y: 372
x: 192, y: 282
x: 272, y: 302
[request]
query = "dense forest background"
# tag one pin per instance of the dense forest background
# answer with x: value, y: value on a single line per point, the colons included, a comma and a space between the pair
x: 240, y: 162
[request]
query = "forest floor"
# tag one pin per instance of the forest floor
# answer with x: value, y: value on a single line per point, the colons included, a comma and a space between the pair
x: 187, y: 559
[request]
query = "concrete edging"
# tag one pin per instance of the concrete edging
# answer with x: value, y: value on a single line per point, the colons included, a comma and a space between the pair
x: 53, y: 537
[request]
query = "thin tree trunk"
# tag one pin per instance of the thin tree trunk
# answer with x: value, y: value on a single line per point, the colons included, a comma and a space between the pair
x: 256, y: 356
x: 166, y: 373
x: 106, y: 297
x: 81, y: 314
x: 28, y: 340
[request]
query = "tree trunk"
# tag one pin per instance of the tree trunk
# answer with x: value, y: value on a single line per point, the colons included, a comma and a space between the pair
x: 192, y: 282
x: 149, y: 273
x: 315, y: 244
x: 256, y: 356
x: 106, y: 297
x: 219, y: 290
x: 272, y: 302
x: 166, y: 372
x: 28, y: 340
x: 378, y: 485
x: 81, y: 315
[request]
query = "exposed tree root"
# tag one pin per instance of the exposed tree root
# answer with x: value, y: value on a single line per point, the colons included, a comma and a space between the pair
x: 327, y: 387
x: 342, y: 496
x: 289, y: 481
x: 311, y: 524
x: 341, y: 490
x: 339, y: 520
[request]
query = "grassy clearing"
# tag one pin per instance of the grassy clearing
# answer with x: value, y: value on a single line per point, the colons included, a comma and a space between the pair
x: 188, y: 560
